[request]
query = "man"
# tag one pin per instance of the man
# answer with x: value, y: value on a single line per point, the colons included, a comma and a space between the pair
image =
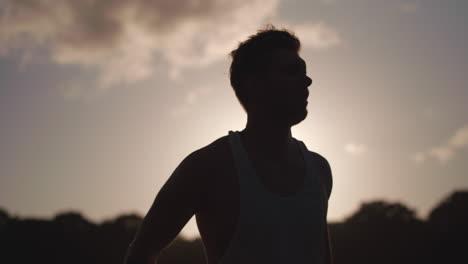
x: 259, y: 195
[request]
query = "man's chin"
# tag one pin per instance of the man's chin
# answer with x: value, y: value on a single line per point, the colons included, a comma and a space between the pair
x: 298, y: 118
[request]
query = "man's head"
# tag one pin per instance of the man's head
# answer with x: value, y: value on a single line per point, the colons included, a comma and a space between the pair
x: 269, y: 77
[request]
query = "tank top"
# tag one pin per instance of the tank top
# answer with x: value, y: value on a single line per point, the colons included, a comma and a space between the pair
x: 272, y: 228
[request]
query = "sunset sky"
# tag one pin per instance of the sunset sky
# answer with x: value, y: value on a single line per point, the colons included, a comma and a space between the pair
x: 101, y: 100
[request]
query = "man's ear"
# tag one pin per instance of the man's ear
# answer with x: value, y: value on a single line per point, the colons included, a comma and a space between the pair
x: 253, y: 87
x: 249, y: 84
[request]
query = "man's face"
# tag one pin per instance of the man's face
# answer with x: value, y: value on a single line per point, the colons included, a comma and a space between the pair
x: 283, y: 90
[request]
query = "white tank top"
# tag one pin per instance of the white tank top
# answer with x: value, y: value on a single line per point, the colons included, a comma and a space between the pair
x: 272, y: 228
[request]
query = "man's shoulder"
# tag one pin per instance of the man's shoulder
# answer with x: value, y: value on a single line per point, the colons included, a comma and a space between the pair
x: 198, y: 168
x: 318, y: 158
x: 325, y: 169
x: 210, y: 155
x: 213, y: 149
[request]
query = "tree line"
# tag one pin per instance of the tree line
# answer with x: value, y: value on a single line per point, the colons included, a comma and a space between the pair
x: 378, y: 232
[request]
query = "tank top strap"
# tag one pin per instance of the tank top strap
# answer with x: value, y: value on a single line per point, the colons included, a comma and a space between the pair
x: 237, y: 151
x: 244, y: 170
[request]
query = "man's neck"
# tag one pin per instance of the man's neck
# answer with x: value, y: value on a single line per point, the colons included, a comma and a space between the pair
x: 267, y: 137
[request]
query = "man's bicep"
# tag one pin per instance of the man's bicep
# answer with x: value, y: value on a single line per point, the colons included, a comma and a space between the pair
x: 328, y: 176
x: 176, y: 202
x: 328, y: 246
x: 180, y: 193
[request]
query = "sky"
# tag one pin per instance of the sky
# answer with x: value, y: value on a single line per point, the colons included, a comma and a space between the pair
x: 101, y: 100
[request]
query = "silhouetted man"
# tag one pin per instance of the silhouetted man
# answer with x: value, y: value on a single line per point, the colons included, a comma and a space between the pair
x: 259, y: 195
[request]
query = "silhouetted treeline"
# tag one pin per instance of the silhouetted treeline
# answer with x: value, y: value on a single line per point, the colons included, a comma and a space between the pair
x: 379, y: 232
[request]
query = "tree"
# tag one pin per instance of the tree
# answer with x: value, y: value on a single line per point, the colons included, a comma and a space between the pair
x: 379, y: 232
x: 382, y: 212
x: 448, y: 225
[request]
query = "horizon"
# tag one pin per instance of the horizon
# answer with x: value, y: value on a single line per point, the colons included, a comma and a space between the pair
x: 190, y: 236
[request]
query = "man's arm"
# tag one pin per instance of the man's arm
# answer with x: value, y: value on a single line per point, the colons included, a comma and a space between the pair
x: 328, y: 182
x: 176, y: 202
x: 328, y: 253
x: 327, y: 176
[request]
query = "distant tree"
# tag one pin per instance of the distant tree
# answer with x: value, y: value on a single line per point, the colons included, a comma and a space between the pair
x: 451, y: 214
x: 129, y: 222
x: 448, y: 224
x: 74, y: 236
x: 381, y: 212
x: 183, y: 251
x: 115, y: 235
x: 73, y: 220
x: 4, y: 217
x: 379, y: 232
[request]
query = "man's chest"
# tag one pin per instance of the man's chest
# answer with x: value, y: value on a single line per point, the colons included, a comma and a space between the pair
x: 281, y: 179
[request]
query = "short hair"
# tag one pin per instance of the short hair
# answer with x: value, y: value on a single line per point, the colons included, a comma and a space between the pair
x: 251, y: 56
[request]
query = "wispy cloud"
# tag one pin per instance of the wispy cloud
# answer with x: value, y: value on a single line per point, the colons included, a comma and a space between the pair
x: 355, y: 149
x: 317, y: 35
x: 460, y: 138
x: 418, y: 157
x: 191, y: 98
x: 442, y: 153
x: 447, y: 151
x: 120, y: 39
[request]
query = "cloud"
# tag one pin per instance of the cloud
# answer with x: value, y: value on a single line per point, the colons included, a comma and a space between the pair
x: 121, y: 39
x: 418, y: 157
x: 317, y: 35
x: 460, y: 138
x: 355, y: 148
x: 191, y: 98
x: 73, y: 90
x: 442, y: 153
x: 447, y: 151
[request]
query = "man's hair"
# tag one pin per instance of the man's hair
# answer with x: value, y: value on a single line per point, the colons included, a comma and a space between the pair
x: 252, y: 56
